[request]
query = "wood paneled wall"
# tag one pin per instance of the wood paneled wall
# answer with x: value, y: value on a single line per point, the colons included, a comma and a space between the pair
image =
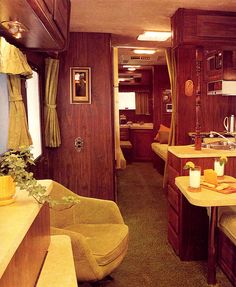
x: 161, y: 82
x: 91, y: 171
x: 214, y: 108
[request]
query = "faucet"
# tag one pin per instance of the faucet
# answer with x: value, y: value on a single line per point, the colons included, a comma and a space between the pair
x: 216, y: 133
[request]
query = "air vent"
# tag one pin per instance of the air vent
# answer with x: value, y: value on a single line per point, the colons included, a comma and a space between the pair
x: 144, y: 58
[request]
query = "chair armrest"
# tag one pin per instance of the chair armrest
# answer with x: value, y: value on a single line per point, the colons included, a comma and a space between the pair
x: 82, y: 254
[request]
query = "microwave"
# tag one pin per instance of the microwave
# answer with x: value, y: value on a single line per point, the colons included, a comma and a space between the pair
x: 221, y: 87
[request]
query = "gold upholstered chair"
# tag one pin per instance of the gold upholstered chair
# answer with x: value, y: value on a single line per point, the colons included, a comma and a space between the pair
x: 98, y: 234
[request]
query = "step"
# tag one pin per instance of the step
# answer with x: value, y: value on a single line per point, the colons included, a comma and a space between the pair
x: 58, y: 269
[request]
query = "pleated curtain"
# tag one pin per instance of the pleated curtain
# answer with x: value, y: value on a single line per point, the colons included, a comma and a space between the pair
x: 171, y: 64
x: 52, y: 130
x: 18, y: 133
x: 14, y: 63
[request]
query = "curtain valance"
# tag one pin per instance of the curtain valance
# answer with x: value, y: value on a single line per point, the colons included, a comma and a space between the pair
x: 12, y: 60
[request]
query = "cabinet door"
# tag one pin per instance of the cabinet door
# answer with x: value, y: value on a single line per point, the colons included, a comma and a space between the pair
x: 141, y: 141
x: 50, y: 5
x: 61, y: 8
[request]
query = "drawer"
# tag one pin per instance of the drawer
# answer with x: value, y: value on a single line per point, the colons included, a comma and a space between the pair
x: 173, y: 239
x: 172, y: 174
x: 173, y: 198
x: 173, y: 219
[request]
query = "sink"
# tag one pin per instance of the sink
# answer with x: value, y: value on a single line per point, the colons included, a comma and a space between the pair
x: 221, y: 145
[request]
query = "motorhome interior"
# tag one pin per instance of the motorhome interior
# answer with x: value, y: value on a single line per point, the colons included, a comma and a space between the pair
x: 135, y: 133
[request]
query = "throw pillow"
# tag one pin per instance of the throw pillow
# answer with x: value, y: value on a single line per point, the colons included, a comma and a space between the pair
x: 163, y: 137
x: 162, y: 128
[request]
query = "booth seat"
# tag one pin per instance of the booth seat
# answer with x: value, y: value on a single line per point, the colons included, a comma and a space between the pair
x: 227, y: 242
x: 160, y: 152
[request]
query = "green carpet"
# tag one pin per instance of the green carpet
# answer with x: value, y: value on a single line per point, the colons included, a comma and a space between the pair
x: 150, y: 261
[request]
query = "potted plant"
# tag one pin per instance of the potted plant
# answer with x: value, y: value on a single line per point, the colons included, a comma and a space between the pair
x: 14, y: 173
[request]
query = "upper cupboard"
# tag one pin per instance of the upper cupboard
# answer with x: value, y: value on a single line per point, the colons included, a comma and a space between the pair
x: 46, y: 23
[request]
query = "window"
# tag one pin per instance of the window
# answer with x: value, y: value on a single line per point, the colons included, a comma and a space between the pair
x: 33, y: 109
x: 4, y: 113
x: 127, y: 101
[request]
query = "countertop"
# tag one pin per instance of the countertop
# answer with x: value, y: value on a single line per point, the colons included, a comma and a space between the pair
x: 188, y: 151
x: 144, y: 126
x: 205, y: 197
x: 15, y: 220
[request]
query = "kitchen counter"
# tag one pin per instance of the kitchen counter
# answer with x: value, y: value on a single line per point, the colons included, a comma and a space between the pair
x: 144, y: 126
x: 188, y: 151
x: 16, y: 218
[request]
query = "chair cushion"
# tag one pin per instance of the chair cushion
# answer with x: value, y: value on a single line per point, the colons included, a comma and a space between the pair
x: 106, y: 241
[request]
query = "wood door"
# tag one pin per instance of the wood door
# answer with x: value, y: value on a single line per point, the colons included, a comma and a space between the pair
x: 91, y: 171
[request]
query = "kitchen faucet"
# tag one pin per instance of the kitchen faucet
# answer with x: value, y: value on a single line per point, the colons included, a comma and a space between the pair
x: 228, y: 141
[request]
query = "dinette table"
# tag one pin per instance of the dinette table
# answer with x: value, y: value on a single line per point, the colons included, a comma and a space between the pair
x: 212, y: 199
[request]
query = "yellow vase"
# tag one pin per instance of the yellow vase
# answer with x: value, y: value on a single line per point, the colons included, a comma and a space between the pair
x: 7, y: 190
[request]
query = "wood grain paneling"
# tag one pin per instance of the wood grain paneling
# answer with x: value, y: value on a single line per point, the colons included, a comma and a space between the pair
x: 141, y: 141
x: 199, y: 27
x: 91, y: 171
x: 25, y: 265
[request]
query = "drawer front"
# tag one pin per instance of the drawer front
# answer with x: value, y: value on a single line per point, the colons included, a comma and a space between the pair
x: 173, y: 198
x: 173, y: 219
x: 173, y: 239
x: 172, y: 174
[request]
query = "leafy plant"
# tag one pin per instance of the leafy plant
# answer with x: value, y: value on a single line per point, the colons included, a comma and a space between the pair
x: 15, y: 163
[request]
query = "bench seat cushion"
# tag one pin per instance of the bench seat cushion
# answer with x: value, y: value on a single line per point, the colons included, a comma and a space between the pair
x: 126, y: 144
x: 160, y: 149
x: 227, y: 224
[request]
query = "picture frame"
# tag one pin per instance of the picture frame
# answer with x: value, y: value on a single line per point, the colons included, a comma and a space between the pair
x: 80, y: 85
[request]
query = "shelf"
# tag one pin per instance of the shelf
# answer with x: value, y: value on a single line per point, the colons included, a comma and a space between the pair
x: 58, y: 269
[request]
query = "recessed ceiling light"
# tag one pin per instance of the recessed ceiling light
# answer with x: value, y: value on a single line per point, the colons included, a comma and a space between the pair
x: 154, y: 36
x: 131, y: 66
x: 147, y: 52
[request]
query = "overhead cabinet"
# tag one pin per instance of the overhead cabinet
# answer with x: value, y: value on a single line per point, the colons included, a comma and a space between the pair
x: 206, y: 28
x: 47, y: 23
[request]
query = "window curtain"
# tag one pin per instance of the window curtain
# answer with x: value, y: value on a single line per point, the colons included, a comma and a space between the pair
x: 116, y: 110
x: 171, y: 64
x: 18, y: 133
x: 142, y: 104
x: 14, y: 63
x: 12, y: 60
x: 52, y: 129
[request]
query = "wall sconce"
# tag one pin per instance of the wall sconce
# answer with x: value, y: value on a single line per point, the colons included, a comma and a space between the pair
x: 15, y: 28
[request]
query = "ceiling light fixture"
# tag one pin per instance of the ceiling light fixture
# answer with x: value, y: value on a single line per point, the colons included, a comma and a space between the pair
x: 147, y: 52
x: 131, y: 66
x: 154, y: 36
x: 131, y: 69
x: 15, y: 28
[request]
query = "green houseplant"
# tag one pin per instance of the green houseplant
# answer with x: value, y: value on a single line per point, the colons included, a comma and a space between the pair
x: 15, y: 163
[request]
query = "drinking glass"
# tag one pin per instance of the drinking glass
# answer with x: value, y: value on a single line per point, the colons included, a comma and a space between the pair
x: 195, y: 178
x: 219, y: 168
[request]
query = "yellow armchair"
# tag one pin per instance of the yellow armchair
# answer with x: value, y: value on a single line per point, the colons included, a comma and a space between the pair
x: 98, y: 234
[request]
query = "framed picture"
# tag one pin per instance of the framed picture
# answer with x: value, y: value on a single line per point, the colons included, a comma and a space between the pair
x: 80, y: 85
